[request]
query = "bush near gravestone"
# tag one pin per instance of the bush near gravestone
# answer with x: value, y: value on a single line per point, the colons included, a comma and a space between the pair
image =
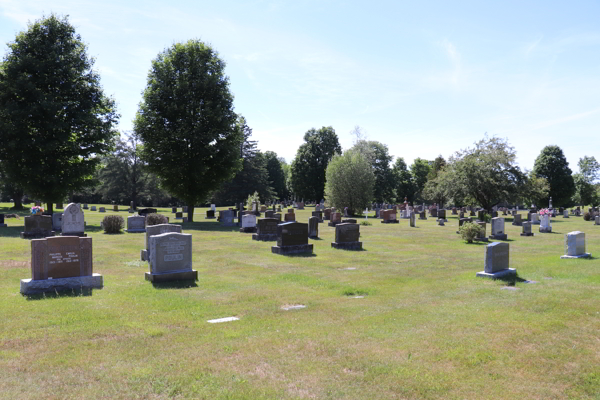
x: 156, y: 219
x: 587, y: 216
x: 469, y: 231
x: 113, y: 224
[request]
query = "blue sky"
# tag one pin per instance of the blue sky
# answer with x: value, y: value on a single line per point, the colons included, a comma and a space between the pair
x: 424, y: 78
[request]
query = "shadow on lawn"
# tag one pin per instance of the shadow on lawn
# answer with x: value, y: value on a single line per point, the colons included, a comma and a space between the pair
x: 207, y: 226
x: 175, y: 284
x: 512, y: 280
x: 59, y: 294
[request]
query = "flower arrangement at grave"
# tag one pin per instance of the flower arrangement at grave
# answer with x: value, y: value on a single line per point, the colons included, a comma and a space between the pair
x: 37, y: 210
x: 544, y: 212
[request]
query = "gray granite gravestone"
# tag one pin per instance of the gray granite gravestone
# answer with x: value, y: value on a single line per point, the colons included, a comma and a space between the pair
x: 413, y: 220
x: 57, y: 221
x: 313, y: 227
x: 498, y: 229
x: 93, y: 208
x: 517, y: 220
x: 318, y: 215
x: 347, y: 236
x: 37, y: 226
x: 227, y: 217
x: 61, y: 263
x: 497, y: 261
x: 136, y: 224
x: 153, y: 230
x: 101, y: 209
x: 422, y: 215
x: 292, y: 238
x: 527, y: 229
x: 575, y: 245
x: 248, y: 223
x: 170, y: 258
x: 72, y: 222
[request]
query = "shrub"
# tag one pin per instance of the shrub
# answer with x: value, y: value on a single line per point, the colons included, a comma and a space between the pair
x: 113, y: 223
x: 587, y: 216
x: 155, y: 219
x: 469, y: 231
x: 365, y: 223
x: 251, y: 199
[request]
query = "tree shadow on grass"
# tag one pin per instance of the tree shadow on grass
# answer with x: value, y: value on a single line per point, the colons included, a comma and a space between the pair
x: 208, y: 227
x: 84, y: 292
x: 315, y: 238
x: 298, y: 255
x: 11, y: 231
x: 183, y: 284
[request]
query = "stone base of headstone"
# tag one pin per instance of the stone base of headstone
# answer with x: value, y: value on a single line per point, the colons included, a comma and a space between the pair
x: 535, y: 223
x: 135, y: 230
x: 250, y: 229
x: 30, y: 286
x: 3, y: 225
x: 295, y: 249
x: 265, y: 237
x: 566, y: 216
x: 210, y: 217
x: 172, y: 276
x: 144, y: 255
x: 334, y: 223
x: 80, y: 234
x: 498, y: 275
x: 395, y: 221
x: 37, y: 235
x: 347, y: 245
x: 585, y: 255
x: 546, y: 230
x: 527, y: 234
x: 499, y: 237
x: 481, y: 239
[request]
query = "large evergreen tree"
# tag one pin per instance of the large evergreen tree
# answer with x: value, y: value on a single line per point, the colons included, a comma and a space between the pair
x: 312, y: 158
x: 405, y: 185
x: 187, y: 123
x: 54, y: 117
x: 276, y: 175
x: 552, y: 165
x: 419, y: 170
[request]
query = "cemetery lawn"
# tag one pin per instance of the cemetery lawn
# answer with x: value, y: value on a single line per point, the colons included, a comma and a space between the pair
x: 404, y: 319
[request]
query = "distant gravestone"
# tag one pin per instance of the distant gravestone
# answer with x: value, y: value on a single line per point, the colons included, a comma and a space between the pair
x: 85, y: 206
x: 517, y: 220
x: 597, y: 220
x: 498, y: 229
x: 210, y: 214
x: 575, y: 245
x: 102, y: 209
x: 37, y: 226
x: 327, y: 214
x: 184, y: 209
x: 422, y: 215
x: 178, y: 215
x: 57, y: 221
x: 248, y: 223
x: 170, y: 257
x: 289, y: 216
x: 527, y: 229
x: 318, y: 215
x: 442, y: 215
x: 146, y: 211
x: 462, y: 221
x: 73, y: 223
x: 482, y: 229
x: 61, y: 263
x: 300, y: 205
x: 226, y: 218
x: 440, y: 222
x: 266, y: 229
x: 389, y: 217
x: 454, y: 211
x: 136, y: 224
x: 497, y: 261
x: 115, y: 208
x: 292, y: 238
x: 481, y: 215
x: 566, y: 214
x: 535, y: 219
x: 313, y: 227
x: 545, y: 225
x: 347, y: 237
x: 335, y: 218
x: 173, y: 210
x: 269, y: 213
x: 413, y: 220
x: 93, y: 208
x: 154, y: 230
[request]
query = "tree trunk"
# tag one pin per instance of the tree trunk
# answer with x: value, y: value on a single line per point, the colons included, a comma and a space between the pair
x: 190, y: 213
x: 50, y: 208
x: 17, y: 199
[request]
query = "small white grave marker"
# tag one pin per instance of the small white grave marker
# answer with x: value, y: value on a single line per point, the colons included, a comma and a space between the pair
x: 366, y: 212
x: 294, y: 307
x: 219, y: 320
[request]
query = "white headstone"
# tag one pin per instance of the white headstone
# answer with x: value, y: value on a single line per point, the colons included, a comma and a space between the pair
x: 249, y: 221
x: 72, y: 220
x: 575, y: 245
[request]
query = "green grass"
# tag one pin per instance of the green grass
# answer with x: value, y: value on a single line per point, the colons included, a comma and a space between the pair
x: 425, y: 328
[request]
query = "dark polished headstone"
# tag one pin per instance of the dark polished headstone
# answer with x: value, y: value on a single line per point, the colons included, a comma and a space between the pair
x: 292, y: 238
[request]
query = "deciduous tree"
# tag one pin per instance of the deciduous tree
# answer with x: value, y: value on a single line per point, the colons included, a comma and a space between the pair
x: 350, y: 181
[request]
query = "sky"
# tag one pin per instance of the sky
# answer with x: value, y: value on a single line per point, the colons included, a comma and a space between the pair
x: 423, y: 78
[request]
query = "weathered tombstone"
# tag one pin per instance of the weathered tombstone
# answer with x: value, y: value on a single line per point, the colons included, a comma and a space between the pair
x: 327, y: 214
x: 565, y: 213
x: 481, y: 215
x: 213, y: 207
x: 93, y: 208
x: 504, y: 211
x: 72, y: 222
x: 37, y: 226
x: 346, y: 237
x: 440, y: 222
x: 597, y: 220
x: 173, y: 210
x: 277, y: 216
x: 292, y: 238
x: 481, y: 237
x: 210, y: 214
x: 527, y: 229
x: 402, y: 214
x: 389, y: 217
x: 269, y: 213
x: 61, y: 263
x: 497, y: 261
x: 535, y: 220
x: 335, y: 218
x: 226, y: 218
x: 575, y: 245
x: 85, y: 206
x: 345, y: 211
x: 545, y: 224
x: 442, y: 214
x: 2, y: 224
x: 115, y: 208
x: 318, y: 215
x: 263, y: 209
x: 248, y: 223
x: 153, y: 230
x: 413, y: 220
x: 184, y: 209
x: 454, y: 211
x: 57, y: 221
x: 433, y: 212
x: 178, y: 215
x: 289, y: 216
x: 517, y: 220
x: 498, y: 229
x: 170, y: 257
x: 266, y: 229
x: 349, y: 221
x: 300, y: 205
x: 102, y: 209
x: 461, y: 214
x: 313, y: 227
x: 422, y: 215
x: 136, y: 224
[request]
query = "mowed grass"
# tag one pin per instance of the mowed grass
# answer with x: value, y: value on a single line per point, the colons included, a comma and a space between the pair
x: 424, y: 328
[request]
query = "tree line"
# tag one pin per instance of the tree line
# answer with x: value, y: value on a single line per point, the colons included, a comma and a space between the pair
x: 188, y: 146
